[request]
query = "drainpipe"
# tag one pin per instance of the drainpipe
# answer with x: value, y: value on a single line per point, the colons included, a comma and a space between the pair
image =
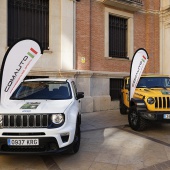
x: 74, y: 34
x: 90, y: 32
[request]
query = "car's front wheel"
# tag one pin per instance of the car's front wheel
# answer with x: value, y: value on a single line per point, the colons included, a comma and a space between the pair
x: 76, y: 142
x: 136, y: 122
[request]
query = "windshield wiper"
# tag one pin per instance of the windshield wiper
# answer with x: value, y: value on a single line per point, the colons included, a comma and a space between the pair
x: 15, y: 98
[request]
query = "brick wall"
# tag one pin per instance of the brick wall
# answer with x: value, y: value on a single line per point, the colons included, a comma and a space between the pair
x: 90, y: 26
x: 146, y: 29
x: 83, y: 34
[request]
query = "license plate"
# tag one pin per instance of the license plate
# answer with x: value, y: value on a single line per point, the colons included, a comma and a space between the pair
x: 23, y: 142
x: 166, y: 116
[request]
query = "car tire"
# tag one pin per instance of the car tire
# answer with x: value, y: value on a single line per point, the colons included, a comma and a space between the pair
x: 123, y: 108
x: 136, y: 122
x: 76, y: 142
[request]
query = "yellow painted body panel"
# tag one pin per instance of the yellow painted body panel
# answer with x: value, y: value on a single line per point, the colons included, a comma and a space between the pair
x: 161, y: 96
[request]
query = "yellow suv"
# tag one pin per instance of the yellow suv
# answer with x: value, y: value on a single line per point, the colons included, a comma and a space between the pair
x: 151, y: 101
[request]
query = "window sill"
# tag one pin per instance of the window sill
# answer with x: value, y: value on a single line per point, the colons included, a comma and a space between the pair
x: 47, y: 51
x: 130, y: 5
x: 122, y: 59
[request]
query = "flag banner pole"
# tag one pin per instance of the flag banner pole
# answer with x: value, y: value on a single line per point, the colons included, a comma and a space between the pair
x: 17, y: 62
x: 138, y: 64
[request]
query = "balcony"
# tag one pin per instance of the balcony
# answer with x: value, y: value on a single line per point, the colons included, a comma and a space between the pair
x: 131, y: 5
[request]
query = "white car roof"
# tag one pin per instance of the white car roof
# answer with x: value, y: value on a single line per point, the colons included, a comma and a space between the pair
x: 48, y: 79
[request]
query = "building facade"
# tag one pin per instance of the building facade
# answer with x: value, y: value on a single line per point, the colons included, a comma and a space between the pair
x: 92, y: 41
x: 164, y: 36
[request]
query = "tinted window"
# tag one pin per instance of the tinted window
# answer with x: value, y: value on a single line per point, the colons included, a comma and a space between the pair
x: 154, y: 82
x: 52, y: 90
x: 28, y: 18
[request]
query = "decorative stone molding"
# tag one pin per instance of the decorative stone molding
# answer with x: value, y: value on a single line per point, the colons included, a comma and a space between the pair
x: 150, y: 11
x: 165, y: 5
x: 130, y: 31
x: 98, y: 74
x: 78, y: 74
x: 84, y: 74
x: 131, y: 5
x: 164, y: 36
x: 165, y: 16
x: 57, y: 74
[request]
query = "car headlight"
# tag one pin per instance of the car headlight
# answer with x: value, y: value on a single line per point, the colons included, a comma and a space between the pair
x: 58, y: 118
x: 1, y: 121
x: 150, y: 100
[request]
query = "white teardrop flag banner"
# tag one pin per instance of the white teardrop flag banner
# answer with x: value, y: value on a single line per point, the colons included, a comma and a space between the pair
x: 138, y: 64
x: 17, y: 62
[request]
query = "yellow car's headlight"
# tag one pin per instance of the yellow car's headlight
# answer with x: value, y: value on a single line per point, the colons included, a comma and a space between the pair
x: 151, y: 100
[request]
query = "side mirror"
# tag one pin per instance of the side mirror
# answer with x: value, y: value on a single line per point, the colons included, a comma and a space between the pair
x: 80, y: 95
x: 127, y: 86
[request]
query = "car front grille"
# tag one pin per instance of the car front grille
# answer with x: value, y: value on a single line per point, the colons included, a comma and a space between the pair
x: 162, y: 102
x: 26, y: 121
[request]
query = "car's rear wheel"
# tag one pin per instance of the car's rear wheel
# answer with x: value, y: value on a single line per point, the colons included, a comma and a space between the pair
x: 123, y: 108
x: 136, y: 122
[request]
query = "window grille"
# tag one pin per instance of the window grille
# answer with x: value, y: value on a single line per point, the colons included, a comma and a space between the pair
x: 117, y: 37
x: 115, y: 88
x: 28, y: 19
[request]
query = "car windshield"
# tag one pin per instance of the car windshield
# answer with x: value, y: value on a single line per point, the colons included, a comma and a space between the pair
x: 49, y: 90
x: 154, y: 82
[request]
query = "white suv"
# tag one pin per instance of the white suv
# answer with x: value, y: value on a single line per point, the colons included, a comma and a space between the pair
x: 43, y: 116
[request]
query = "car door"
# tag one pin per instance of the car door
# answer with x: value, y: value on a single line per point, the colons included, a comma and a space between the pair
x: 126, y: 91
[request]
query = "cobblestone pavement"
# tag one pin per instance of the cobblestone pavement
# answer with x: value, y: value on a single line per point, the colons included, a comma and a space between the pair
x: 107, y: 143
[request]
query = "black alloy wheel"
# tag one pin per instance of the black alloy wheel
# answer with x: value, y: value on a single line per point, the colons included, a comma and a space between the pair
x: 122, y: 107
x: 76, y: 142
x: 136, y: 122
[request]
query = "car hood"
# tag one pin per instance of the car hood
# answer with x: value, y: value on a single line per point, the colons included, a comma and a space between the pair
x: 38, y: 106
x: 152, y: 92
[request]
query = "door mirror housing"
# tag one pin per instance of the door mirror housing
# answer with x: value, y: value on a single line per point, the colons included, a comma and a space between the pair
x: 80, y: 95
x: 127, y: 86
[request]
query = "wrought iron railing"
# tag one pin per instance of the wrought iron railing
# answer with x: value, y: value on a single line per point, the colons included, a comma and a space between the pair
x: 117, y: 37
x: 28, y: 19
x: 115, y: 88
